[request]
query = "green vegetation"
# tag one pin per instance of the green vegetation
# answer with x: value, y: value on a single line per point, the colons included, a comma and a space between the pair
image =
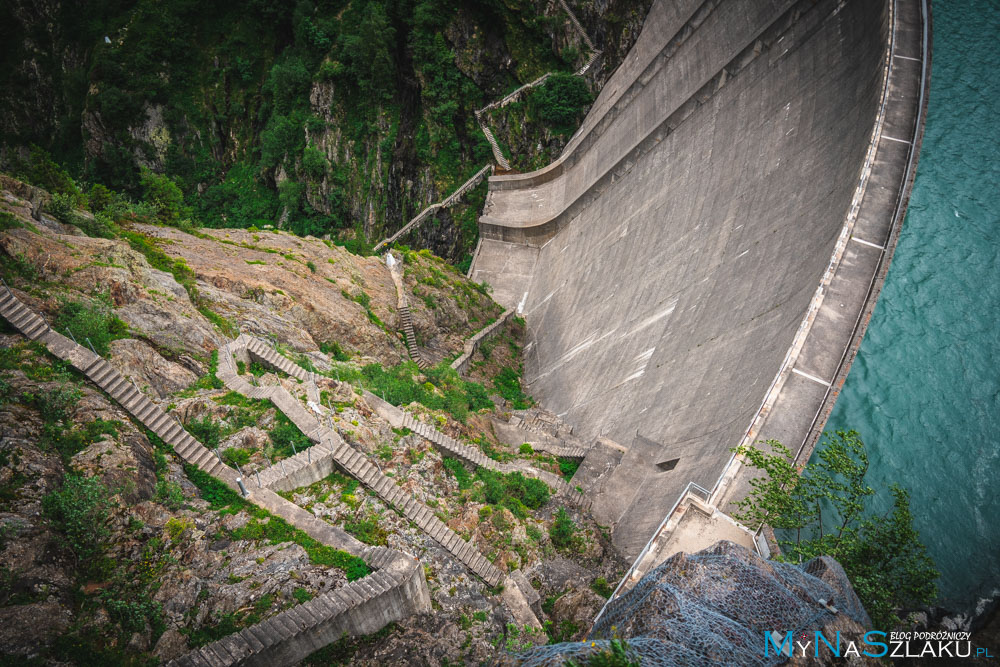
x: 512, y: 490
x: 616, y: 655
x: 508, y: 384
x: 458, y: 471
x: 824, y: 511
x: 601, y: 586
x: 568, y: 467
x: 94, y: 321
x: 562, y: 532
x: 80, y: 510
x: 368, y: 530
x: 264, y: 527
x: 334, y: 351
x: 560, y: 102
x: 223, y: 96
x: 207, y: 381
x: 341, y: 652
x: 236, y: 456
x: 286, y: 438
x: 231, y: 622
x: 444, y: 389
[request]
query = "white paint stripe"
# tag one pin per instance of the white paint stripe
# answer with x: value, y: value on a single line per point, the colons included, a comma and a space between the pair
x: 902, y: 141
x: 867, y: 243
x: 811, y: 377
x: 917, y: 60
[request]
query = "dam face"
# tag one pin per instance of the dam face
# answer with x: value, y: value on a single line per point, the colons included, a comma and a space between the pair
x: 665, y: 263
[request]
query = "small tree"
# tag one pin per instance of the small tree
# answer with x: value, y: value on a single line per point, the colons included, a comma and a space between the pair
x: 80, y: 509
x: 161, y: 192
x: 562, y: 531
x: 824, y: 507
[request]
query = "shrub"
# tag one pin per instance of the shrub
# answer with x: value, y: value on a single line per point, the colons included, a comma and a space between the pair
x: 93, y: 321
x: 508, y: 384
x: 177, y: 527
x: 206, y: 430
x: 601, y: 586
x: 526, y: 449
x: 513, y: 491
x: 560, y: 102
x: 98, y: 198
x: 334, y: 351
x: 169, y: 494
x: 568, y: 467
x: 563, y: 530
x: 458, y: 471
x: 285, y: 435
x: 368, y: 530
x: 161, y: 192
x: 79, y: 509
x: 236, y: 455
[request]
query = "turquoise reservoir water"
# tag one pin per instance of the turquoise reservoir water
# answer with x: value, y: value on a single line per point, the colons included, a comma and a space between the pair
x: 924, y: 391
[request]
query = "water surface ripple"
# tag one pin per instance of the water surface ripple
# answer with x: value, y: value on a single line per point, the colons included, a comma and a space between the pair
x: 924, y: 391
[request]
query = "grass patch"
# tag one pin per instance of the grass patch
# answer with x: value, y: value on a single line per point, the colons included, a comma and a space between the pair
x: 94, y: 321
x: 508, y: 384
x: 264, y: 527
x: 568, y: 467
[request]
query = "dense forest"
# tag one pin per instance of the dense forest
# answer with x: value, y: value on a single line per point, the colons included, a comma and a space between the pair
x: 332, y: 117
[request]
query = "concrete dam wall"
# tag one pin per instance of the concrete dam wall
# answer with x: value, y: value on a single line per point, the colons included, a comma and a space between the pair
x: 668, y: 262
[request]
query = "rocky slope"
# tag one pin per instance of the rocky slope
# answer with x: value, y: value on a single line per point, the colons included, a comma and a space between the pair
x: 172, y: 564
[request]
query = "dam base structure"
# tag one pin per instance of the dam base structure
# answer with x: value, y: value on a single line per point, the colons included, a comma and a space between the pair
x: 697, y: 269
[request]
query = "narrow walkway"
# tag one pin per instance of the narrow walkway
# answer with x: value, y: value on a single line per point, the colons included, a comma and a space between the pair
x: 444, y: 203
x: 405, y: 318
x: 314, y: 463
x: 461, y: 364
x: 396, y: 589
x: 399, y: 418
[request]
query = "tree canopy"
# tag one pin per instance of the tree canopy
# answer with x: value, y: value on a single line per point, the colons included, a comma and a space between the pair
x: 825, y: 511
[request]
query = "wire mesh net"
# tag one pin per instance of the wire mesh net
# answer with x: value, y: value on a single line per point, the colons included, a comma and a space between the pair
x: 714, y: 608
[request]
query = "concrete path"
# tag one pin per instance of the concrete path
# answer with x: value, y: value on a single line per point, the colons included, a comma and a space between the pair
x: 316, y: 462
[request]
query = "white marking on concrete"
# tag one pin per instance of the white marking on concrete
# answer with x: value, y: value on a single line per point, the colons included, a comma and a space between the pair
x: 867, y: 243
x: 811, y: 377
x: 896, y: 55
x: 902, y: 141
x: 651, y: 319
x: 634, y: 376
x: 547, y: 297
x: 644, y: 356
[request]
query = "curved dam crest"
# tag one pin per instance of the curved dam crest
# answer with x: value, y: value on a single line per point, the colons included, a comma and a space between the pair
x: 671, y: 261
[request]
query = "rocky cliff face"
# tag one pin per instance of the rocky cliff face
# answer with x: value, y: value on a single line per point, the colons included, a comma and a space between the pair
x: 344, y: 117
x: 302, y: 292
